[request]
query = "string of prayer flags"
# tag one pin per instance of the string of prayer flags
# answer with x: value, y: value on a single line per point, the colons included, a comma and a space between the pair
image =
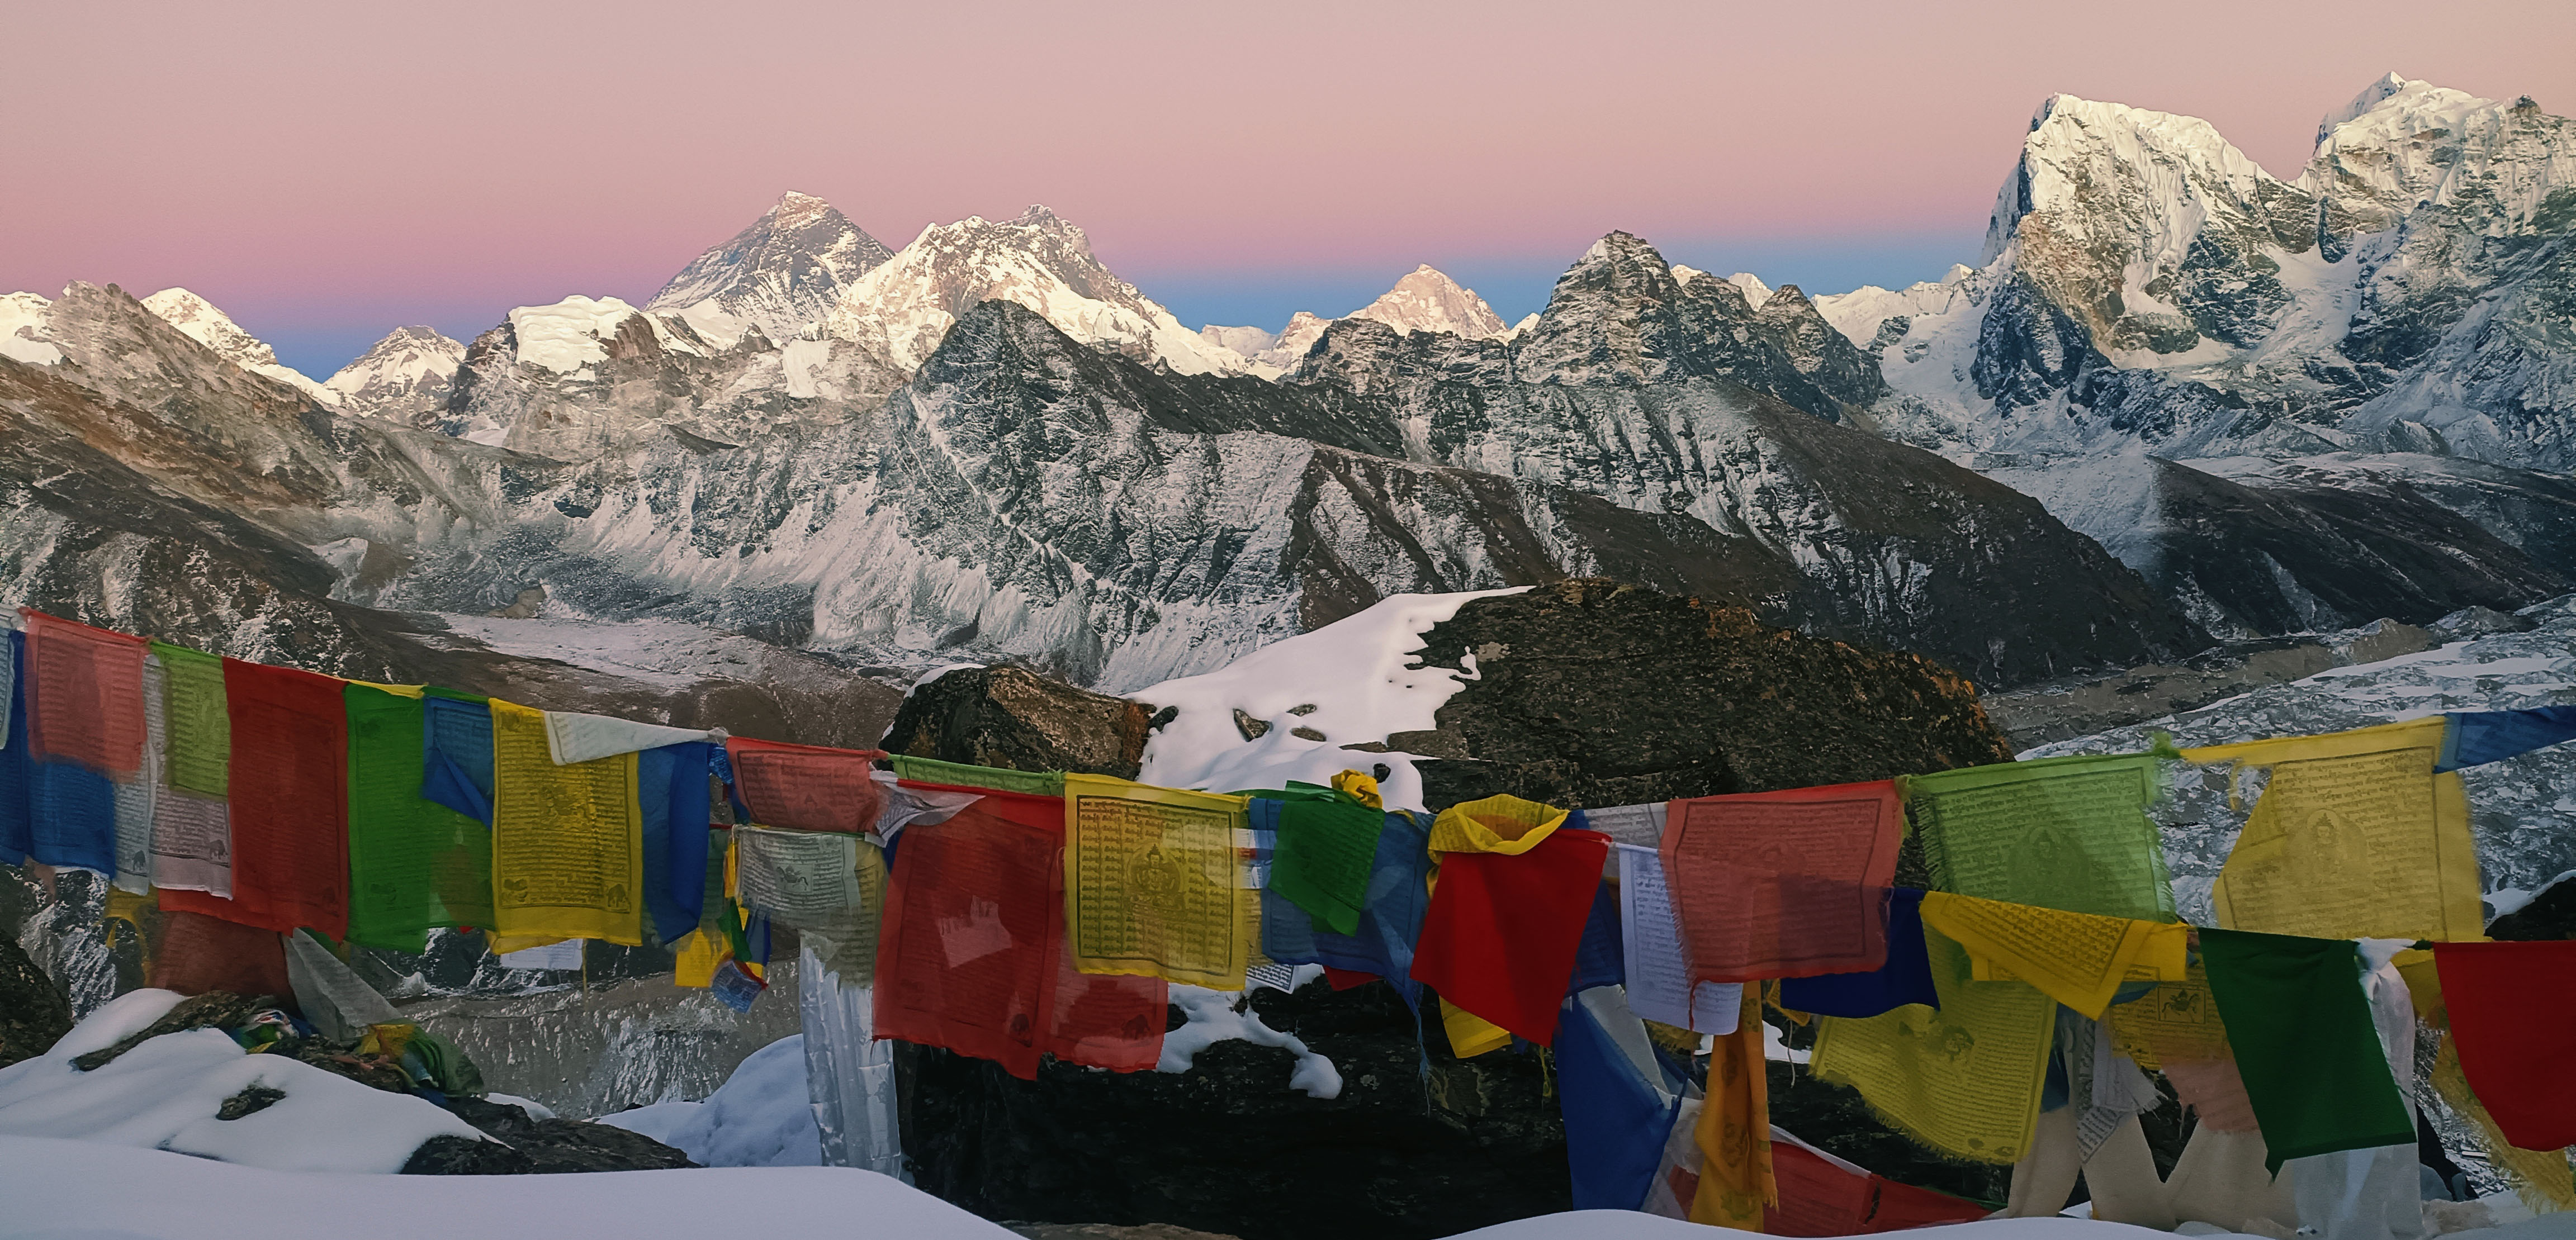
x: 2479, y: 737
x: 575, y: 737
x: 798, y: 878
x: 676, y: 805
x: 2513, y: 1017
x: 1905, y: 978
x: 1784, y: 884
x: 86, y: 695
x: 1736, y: 1179
x: 2065, y: 833
x: 134, y: 797
x: 414, y: 864
x: 1152, y: 883
x: 1662, y: 986
x: 2354, y: 836
x: 962, y: 775
x: 1506, y: 919
x: 1327, y: 847
x: 806, y: 787
x: 2302, y: 1036
x: 200, y: 725
x: 1964, y: 1078
x: 567, y: 841
x: 2075, y: 958
x: 968, y: 957
x: 288, y: 802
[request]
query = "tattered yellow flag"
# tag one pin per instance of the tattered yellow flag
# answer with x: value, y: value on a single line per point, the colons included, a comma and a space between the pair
x: 1154, y: 883
x: 2354, y: 836
x: 2075, y: 958
x: 567, y: 841
x: 1964, y: 1078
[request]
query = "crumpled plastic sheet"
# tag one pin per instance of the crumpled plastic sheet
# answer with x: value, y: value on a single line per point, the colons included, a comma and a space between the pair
x: 850, y: 1073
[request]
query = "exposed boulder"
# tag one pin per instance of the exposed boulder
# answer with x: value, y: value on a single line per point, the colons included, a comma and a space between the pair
x: 525, y: 1145
x: 1592, y: 693
x: 1011, y: 717
x: 33, y: 1012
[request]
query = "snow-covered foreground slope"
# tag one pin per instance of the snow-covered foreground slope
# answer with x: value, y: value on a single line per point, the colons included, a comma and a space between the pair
x: 763, y: 1116
x: 62, y: 1190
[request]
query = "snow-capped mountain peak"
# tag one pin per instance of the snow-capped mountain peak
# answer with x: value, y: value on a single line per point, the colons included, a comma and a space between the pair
x: 787, y: 269
x: 407, y: 372
x: 1428, y: 300
x: 905, y: 306
x: 206, y: 325
x: 2403, y: 143
x: 22, y: 330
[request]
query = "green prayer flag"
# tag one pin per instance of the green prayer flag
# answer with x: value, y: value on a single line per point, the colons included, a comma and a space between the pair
x: 962, y: 775
x: 1326, y: 850
x: 2062, y: 833
x: 414, y: 864
x: 199, y: 736
x: 2301, y: 1030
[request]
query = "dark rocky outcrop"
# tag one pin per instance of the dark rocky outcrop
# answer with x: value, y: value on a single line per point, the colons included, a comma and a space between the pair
x: 1594, y: 693
x: 524, y: 1145
x: 216, y: 1009
x: 2550, y: 915
x: 1227, y: 1147
x: 1010, y: 717
x: 33, y: 1012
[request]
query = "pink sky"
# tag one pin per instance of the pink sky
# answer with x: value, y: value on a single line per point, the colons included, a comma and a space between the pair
x: 343, y: 168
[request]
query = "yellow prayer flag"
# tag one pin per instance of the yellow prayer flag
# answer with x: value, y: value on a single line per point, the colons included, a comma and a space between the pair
x: 1503, y: 824
x: 694, y: 960
x: 1153, y: 883
x: 2077, y: 959
x: 2178, y: 1020
x: 567, y: 841
x: 2354, y: 836
x: 1471, y: 1035
x: 1734, y: 1131
x: 409, y: 691
x: 1964, y: 1078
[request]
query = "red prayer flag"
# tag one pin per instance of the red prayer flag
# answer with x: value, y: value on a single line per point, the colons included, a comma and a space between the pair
x: 198, y: 953
x: 1901, y: 1206
x: 1503, y: 930
x: 1821, y: 1198
x: 806, y: 787
x: 2513, y: 1013
x: 288, y: 802
x: 972, y: 955
x: 1784, y: 884
x: 84, y: 695
x: 1347, y: 979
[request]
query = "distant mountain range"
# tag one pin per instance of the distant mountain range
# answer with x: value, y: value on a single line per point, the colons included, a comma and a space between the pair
x: 2179, y: 400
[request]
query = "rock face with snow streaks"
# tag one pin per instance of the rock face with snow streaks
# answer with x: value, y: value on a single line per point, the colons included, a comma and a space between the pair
x: 787, y: 269
x: 400, y: 377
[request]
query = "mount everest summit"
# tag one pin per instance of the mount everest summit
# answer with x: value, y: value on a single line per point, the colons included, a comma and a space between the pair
x: 2178, y: 399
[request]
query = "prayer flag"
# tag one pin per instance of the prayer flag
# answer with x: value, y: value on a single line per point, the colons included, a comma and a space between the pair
x: 2479, y: 737
x: 1736, y: 1179
x: 1784, y: 884
x: 1661, y: 984
x: 1505, y: 925
x: 72, y: 818
x: 1390, y: 914
x: 134, y: 797
x: 456, y: 753
x: 575, y: 737
x: 1326, y: 850
x: 2513, y: 1016
x: 969, y: 956
x: 1153, y: 883
x: 1905, y: 978
x: 798, y: 878
x: 2301, y: 1031
x: 288, y: 805
x: 2075, y: 958
x: 2064, y: 833
x: 200, y: 723
x: 2353, y: 836
x: 414, y: 864
x: 1964, y: 1078
x: 87, y: 695
x: 567, y: 841
x: 17, y: 771
x: 1615, y: 1116
x: 806, y: 787
x: 962, y: 775
x: 676, y: 804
